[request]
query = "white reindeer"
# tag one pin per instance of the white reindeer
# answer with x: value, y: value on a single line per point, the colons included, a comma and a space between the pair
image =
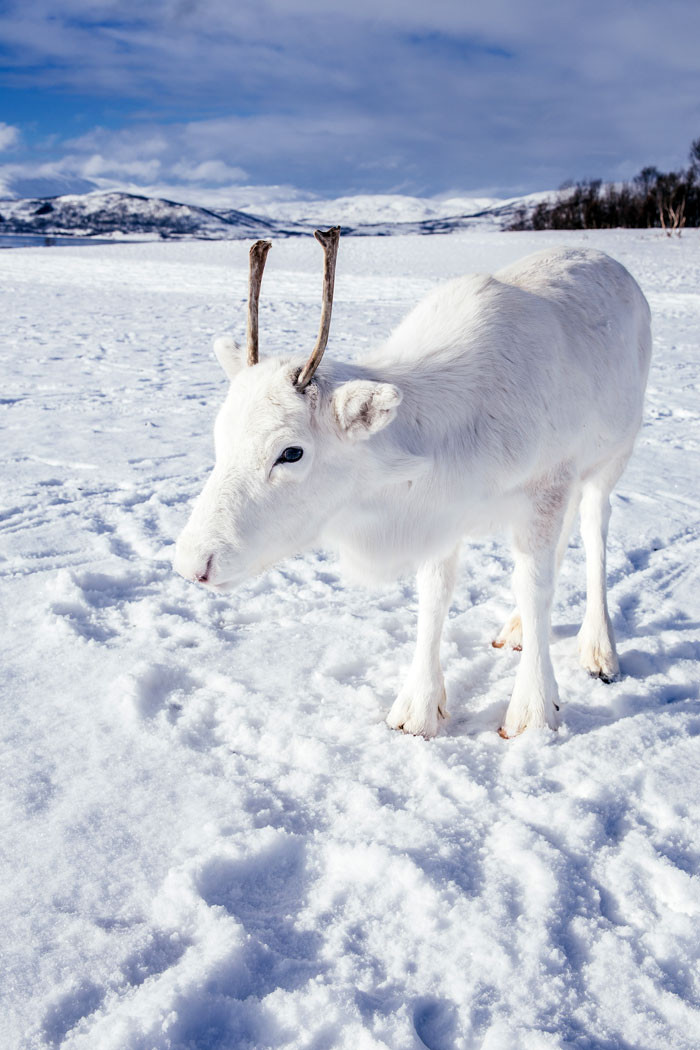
x: 504, y: 400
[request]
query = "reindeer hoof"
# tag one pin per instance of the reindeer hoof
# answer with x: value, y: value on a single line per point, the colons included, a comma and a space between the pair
x: 603, y: 677
x: 598, y: 657
x: 416, y: 727
x: 511, y: 635
x: 505, y: 735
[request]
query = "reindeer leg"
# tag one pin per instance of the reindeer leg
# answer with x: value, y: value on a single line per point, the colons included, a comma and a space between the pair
x: 511, y: 634
x: 535, y: 699
x: 422, y: 698
x: 596, y: 638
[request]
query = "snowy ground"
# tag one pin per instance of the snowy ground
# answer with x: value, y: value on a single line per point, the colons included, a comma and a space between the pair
x: 210, y: 839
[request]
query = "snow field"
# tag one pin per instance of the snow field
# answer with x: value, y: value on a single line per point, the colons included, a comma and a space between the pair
x: 210, y: 838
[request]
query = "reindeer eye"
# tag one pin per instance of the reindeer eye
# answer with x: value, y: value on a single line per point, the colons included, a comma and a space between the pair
x: 290, y: 455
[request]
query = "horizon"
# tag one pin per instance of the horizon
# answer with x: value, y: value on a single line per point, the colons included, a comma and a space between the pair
x: 196, y: 103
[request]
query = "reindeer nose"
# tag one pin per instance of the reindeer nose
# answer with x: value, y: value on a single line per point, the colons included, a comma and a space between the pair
x: 188, y: 562
x: 202, y: 577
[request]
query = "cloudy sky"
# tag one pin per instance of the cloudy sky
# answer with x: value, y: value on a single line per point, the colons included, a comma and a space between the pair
x: 203, y: 97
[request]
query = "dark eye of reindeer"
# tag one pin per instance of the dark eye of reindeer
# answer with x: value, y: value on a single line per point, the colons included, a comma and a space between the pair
x: 290, y: 455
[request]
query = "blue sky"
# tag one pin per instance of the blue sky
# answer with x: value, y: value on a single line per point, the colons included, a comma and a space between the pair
x: 202, y: 97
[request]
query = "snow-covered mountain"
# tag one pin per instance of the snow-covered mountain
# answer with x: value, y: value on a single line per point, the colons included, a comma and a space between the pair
x: 115, y: 213
x: 107, y: 214
x: 365, y: 209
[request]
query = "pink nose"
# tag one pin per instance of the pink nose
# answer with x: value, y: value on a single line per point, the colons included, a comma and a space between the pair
x: 188, y: 561
x: 202, y: 577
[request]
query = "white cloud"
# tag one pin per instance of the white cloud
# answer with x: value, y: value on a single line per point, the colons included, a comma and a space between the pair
x: 97, y: 165
x: 40, y: 180
x: 364, y: 96
x: 9, y: 136
x: 208, y: 172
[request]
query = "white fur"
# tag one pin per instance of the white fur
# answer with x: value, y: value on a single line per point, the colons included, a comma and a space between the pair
x: 499, y: 401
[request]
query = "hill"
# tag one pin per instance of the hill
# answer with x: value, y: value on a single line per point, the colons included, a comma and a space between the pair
x: 119, y: 214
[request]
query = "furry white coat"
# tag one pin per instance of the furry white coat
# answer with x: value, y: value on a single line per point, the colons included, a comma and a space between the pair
x: 505, y: 401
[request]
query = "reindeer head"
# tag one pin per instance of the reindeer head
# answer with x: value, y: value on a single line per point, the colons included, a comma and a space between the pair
x: 288, y: 448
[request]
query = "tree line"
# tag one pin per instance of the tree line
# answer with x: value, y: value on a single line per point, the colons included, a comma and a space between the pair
x: 666, y: 200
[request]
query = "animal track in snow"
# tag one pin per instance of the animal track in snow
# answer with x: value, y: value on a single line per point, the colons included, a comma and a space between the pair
x: 71, y: 1008
x: 160, y: 687
x: 162, y: 950
x: 263, y: 891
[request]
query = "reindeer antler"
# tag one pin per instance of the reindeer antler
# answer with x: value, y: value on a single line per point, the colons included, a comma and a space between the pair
x: 258, y: 255
x: 328, y: 239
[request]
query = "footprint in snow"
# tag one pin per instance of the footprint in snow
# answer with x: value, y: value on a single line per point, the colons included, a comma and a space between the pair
x: 160, y: 687
x: 264, y: 892
x: 64, y: 1014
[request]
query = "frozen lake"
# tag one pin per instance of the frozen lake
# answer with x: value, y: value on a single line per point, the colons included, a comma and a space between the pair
x: 32, y: 240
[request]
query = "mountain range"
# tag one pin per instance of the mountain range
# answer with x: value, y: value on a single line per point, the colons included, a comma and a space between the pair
x: 119, y: 214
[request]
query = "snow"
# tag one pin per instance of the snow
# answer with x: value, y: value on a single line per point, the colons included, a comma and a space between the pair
x: 210, y: 839
x: 368, y: 208
x: 116, y: 214
x: 123, y: 215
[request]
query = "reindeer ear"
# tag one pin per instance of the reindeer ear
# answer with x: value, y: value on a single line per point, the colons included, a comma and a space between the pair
x: 363, y: 408
x: 229, y: 355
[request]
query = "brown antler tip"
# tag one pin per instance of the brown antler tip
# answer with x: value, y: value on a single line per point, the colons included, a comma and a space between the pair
x: 260, y: 248
x: 325, y: 237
